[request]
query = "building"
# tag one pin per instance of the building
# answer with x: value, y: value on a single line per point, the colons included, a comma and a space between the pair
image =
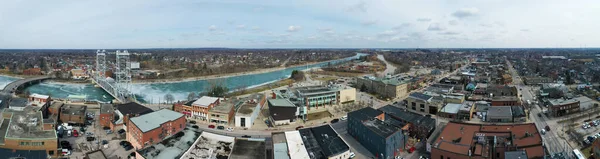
x: 316, y: 142
x: 79, y: 74
x: 536, y: 80
x: 450, y: 110
x: 440, y: 88
x: 453, y: 98
x: 499, y: 114
x: 23, y: 154
x: 25, y: 131
x: 416, y: 125
x: 560, y: 107
x: 422, y: 103
x: 74, y: 114
x: 38, y: 99
x: 368, y: 127
x: 282, y: 111
x: 107, y: 114
x: 54, y: 108
x: 197, y: 109
x: 247, y: 112
x: 125, y: 111
x: 386, y: 87
x: 502, y: 90
x: 505, y: 101
x: 223, y: 113
x: 315, y: 96
x: 595, y: 148
x: 248, y: 149
x: 18, y: 104
x: 153, y: 127
x: 464, y: 140
x: 466, y: 111
x: 32, y: 71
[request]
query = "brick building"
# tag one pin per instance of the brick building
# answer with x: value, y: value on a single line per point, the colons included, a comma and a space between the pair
x: 505, y: 101
x: 153, y: 127
x: 38, y: 99
x: 223, y: 113
x: 386, y: 87
x: 25, y: 130
x: 74, y: 114
x: 107, y: 114
x: 560, y: 107
x: 475, y: 141
x: 197, y: 109
x: 32, y: 71
x: 125, y: 111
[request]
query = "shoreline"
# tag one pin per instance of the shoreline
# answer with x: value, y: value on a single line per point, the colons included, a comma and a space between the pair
x: 211, y: 77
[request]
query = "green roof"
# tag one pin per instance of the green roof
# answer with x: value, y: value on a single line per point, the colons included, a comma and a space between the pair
x: 281, y: 103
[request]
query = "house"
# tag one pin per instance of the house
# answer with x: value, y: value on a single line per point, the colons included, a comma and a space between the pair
x: 282, y: 111
x: 153, y: 127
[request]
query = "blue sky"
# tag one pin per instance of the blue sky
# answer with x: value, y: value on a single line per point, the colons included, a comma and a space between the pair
x: 298, y: 24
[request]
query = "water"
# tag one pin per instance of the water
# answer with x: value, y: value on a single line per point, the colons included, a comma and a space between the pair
x: 155, y: 92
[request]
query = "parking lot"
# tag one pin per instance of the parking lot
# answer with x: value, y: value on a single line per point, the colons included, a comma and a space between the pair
x: 93, y: 138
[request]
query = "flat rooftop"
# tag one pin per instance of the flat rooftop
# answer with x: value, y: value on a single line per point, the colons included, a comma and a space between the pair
x: 173, y: 146
x: 380, y: 128
x: 278, y: 138
x: 153, y: 120
x: 556, y: 102
x: 224, y: 107
x: 505, y: 98
x: 451, y: 108
x: 471, y: 137
x: 281, y: 103
x: 204, y: 101
x: 73, y: 109
x: 248, y: 149
x: 106, y: 108
x: 246, y: 109
x: 27, y: 125
x: 499, y: 111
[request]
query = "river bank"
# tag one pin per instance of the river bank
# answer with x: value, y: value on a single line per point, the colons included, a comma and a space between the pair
x: 226, y: 75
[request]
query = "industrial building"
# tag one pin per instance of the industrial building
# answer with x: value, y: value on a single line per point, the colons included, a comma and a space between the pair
x: 314, y: 97
x: 391, y: 88
x: 153, y: 127
x: 26, y: 131
x: 464, y: 140
x: 369, y: 127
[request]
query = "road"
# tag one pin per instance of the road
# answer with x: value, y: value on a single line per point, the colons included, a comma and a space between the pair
x: 389, y: 68
x: 553, y: 143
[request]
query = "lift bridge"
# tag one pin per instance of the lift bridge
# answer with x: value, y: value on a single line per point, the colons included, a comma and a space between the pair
x: 120, y: 86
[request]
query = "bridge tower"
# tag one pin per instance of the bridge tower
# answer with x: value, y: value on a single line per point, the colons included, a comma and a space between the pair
x: 101, y: 64
x: 123, y: 74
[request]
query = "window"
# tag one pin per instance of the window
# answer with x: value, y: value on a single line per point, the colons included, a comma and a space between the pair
x: 51, y: 152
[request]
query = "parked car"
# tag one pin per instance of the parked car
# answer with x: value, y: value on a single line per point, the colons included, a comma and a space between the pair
x: 299, y: 127
x: 352, y: 155
x: 345, y: 117
x: 211, y: 126
x: 89, y: 134
x: 82, y: 129
x: 220, y: 127
x: 121, y: 131
x: 104, y: 142
x: 75, y: 134
x: 335, y: 120
x: 90, y: 138
x: 106, y: 128
x: 543, y: 131
x: 192, y: 122
x: 547, y: 128
x: 539, y: 115
x: 123, y: 143
x: 230, y: 129
x: 246, y: 136
x: 128, y: 147
x: 65, y: 145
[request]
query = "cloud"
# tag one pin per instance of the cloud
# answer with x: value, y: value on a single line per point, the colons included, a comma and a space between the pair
x: 449, y: 33
x: 465, y: 12
x: 403, y: 25
x: 359, y: 7
x: 525, y: 30
x: 369, y: 23
x: 436, y: 27
x: 453, y: 22
x: 212, y: 28
x: 387, y: 33
x: 293, y: 28
x: 328, y: 31
x: 424, y: 19
x: 242, y: 26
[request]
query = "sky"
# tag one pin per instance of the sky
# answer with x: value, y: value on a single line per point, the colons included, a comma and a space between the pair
x: 117, y: 24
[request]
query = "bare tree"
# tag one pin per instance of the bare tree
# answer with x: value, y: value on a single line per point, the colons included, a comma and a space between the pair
x: 169, y: 98
x: 191, y: 96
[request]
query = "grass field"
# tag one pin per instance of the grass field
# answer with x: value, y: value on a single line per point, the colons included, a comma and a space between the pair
x: 277, y: 84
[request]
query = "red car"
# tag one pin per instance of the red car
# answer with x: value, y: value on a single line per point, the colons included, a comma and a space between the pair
x: 211, y: 126
x: 75, y: 134
x: 299, y: 127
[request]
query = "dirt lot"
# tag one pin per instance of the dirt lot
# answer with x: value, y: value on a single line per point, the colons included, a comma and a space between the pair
x: 318, y: 115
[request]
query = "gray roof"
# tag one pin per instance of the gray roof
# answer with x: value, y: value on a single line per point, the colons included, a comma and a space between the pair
x: 280, y: 151
x: 380, y: 128
x: 499, y: 111
x: 248, y: 149
x: 106, y: 108
x: 516, y: 154
x: 556, y: 102
x: 281, y: 103
x: 451, y: 108
x: 18, y: 102
x: 420, y: 96
x: 153, y: 120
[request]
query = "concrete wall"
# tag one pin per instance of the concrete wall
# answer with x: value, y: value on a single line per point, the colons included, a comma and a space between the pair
x: 347, y: 95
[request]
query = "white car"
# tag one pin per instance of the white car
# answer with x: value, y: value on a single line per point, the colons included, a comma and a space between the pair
x: 229, y: 129
x: 543, y: 132
x: 352, y: 155
x: 345, y: 117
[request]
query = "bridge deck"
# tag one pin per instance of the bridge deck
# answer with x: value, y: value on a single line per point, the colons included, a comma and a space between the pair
x: 14, y: 85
